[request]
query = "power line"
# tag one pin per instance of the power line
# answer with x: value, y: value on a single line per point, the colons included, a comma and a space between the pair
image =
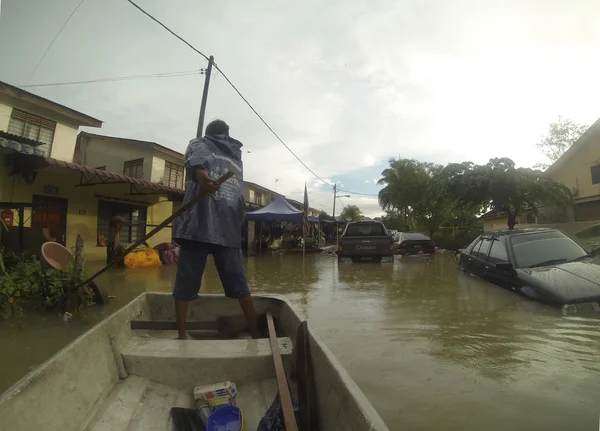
x: 234, y: 87
x: 119, y: 78
x: 241, y: 96
x: 168, y: 29
x: 52, y: 43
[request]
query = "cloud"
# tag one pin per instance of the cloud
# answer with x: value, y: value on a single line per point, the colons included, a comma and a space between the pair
x: 347, y: 84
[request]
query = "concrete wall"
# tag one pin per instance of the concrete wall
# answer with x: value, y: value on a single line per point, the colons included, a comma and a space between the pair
x: 82, y: 205
x: 63, y: 145
x: 5, y: 111
x: 96, y: 151
x: 575, y: 172
x: 498, y: 223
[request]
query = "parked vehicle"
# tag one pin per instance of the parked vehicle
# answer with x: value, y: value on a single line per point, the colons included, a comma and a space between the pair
x: 413, y: 243
x: 366, y: 241
x: 541, y: 264
x: 120, y: 376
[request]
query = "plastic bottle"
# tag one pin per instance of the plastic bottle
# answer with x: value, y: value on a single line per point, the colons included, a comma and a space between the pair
x: 204, y: 410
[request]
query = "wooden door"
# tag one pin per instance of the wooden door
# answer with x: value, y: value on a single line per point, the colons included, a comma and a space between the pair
x: 51, y: 213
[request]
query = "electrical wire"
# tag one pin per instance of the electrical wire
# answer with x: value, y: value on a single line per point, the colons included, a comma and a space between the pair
x: 241, y: 96
x: 53, y: 40
x: 120, y: 78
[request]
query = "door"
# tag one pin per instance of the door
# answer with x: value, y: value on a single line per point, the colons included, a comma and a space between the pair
x: 479, y: 264
x: 498, y: 254
x: 133, y: 216
x: 50, y: 213
x: 470, y: 258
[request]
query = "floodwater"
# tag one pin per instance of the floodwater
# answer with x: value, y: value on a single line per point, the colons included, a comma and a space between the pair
x: 430, y: 347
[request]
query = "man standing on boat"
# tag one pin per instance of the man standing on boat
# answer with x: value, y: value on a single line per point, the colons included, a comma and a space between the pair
x: 214, y: 224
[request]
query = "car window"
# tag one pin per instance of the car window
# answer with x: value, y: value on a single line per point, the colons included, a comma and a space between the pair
x: 545, y: 248
x: 498, y: 253
x: 475, y: 248
x: 484, y: 249
x: 470, y: 246
x: 365, y: 229
x: 415, y: 236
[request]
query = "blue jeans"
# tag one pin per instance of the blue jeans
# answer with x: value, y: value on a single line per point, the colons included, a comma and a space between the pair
x: 192, y: 262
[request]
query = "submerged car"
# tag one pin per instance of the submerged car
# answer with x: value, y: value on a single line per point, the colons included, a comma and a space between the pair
x: 542, y: 264
x: 413, y: 243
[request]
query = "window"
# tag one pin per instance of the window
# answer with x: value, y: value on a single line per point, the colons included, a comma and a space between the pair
x: 595, y: 171
x: 365, y: 229
x: 134, y: 168
x: 498, y: 253
x: 483, y: 251
x: 258, y: 198
x: 33, y: 127
x: 475, y: 248
x: 541, y: 248
x: 174, y: 175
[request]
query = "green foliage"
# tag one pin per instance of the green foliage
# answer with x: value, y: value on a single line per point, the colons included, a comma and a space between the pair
x: 500, y: 186
x: 324, y: 216
x: 25, y: 286
x: 351, y: 213
x: 414, y: 197
x: 561, y: 135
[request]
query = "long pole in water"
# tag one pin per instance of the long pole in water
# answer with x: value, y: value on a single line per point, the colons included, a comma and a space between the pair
x: 183, y: 208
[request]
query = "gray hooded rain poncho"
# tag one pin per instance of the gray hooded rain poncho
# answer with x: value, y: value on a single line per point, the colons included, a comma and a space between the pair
x: 214, y: 219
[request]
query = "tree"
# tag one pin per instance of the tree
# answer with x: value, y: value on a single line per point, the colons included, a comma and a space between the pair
x: 324, y: 216
x: 405, y: 181
x: 351, y: 213
x: 561, y: 135
x: 498, y: 185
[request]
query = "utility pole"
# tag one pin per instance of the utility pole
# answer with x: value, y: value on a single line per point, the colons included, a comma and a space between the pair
x: 207, y: 73
x: 335, y: 222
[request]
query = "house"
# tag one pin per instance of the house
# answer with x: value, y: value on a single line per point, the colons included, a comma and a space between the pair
x: 257, y: 196
x: 41, y: 188
x: 50, y: 127
x: 579, y: 169
x: 496, y: 220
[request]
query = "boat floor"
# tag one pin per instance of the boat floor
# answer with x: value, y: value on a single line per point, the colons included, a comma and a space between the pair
x: 137, y: 404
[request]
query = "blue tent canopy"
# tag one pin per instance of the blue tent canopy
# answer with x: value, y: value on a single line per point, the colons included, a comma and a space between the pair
x: 279, y: 211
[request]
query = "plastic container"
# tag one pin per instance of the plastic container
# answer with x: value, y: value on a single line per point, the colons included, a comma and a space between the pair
x: 227, y: 418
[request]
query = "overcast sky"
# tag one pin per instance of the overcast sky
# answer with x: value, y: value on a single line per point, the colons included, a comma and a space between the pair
x: 347, y: 84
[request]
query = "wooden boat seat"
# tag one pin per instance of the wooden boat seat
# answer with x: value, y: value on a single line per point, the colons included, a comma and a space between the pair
x: 177, y: 362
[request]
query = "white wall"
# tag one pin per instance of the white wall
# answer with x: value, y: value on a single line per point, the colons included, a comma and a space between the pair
x: 5, y: 111
x: 63, y: 145
x: 158, y: 169
x: 113, y: 153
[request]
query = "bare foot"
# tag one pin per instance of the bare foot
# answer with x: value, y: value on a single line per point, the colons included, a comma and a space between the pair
x: 183, y: 337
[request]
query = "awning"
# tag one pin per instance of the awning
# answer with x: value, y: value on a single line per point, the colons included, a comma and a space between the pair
x: 110, y: 176
x: 90, y: 174
x: 20, y: 148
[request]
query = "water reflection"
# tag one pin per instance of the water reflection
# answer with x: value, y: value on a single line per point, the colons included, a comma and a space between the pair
x: 431, y: 348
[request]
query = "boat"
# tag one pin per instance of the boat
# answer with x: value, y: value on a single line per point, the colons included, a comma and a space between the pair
x: 128, y: 371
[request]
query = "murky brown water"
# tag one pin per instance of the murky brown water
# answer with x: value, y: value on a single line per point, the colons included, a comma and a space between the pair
x: 431, y: 348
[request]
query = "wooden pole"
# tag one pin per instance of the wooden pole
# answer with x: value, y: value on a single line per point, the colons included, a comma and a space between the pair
x: 207, y: 73
x: 289, y: 419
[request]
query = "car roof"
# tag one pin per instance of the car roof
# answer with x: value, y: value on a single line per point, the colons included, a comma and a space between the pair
x: 516, y: 232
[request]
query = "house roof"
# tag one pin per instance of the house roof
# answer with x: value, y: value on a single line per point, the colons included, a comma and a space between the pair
x: 583, y: 141
x: 20, y: 94
x: 154, y: 145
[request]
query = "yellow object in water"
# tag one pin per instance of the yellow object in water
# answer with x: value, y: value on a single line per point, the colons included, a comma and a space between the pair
x: 142, y: 259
